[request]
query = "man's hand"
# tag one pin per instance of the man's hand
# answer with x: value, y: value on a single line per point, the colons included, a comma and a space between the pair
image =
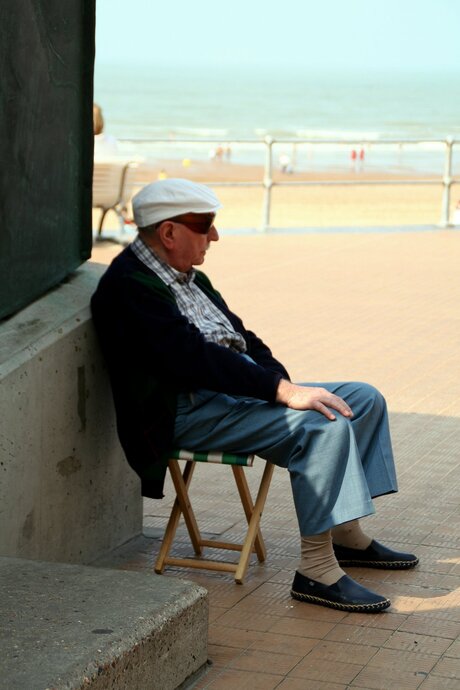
x: 311, y: 398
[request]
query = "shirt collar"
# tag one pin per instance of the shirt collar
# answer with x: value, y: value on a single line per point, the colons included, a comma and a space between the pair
x: 152, y: 260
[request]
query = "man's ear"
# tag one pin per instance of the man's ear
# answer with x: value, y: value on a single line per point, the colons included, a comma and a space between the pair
x: 166, y: 234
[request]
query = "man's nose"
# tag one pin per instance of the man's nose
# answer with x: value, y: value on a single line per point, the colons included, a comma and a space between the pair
x: 213, y: 234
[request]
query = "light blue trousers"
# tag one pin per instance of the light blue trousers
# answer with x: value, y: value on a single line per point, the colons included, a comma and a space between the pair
x: 336, y: 467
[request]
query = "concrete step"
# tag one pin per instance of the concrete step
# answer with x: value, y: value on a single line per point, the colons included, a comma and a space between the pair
x: 69, y: 627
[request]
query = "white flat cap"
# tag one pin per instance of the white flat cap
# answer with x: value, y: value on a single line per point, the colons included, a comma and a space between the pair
x: 172, y: 197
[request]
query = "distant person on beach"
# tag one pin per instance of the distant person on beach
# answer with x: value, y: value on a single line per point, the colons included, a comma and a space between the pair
x: 456, y: 218
x: 217, y: 153
x: 186, y: 373
x: 285, y: 163
x: 105, y: 145
x: 353, y: 158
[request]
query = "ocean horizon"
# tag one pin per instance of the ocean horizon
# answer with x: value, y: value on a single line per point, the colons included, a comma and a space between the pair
x: 227, y: 103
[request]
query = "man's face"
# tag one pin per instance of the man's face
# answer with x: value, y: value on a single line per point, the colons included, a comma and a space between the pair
x: 191, y: 243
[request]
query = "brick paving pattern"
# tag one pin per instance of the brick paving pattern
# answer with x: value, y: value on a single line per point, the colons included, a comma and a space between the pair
x: 379, y: 307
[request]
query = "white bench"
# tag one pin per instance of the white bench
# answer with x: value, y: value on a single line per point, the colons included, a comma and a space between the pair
x: 113, y: 184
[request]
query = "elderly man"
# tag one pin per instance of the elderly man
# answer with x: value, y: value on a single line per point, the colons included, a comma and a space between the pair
x: 186, y: 372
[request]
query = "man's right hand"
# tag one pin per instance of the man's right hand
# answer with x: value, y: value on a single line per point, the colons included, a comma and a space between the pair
x: 311, y: 398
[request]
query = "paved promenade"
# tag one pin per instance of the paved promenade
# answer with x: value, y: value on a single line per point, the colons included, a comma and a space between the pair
x: 379, y: 307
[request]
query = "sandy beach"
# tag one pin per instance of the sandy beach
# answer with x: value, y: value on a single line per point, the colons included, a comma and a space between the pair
x: 308, y: 206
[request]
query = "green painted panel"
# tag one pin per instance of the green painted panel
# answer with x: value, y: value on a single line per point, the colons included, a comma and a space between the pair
x: 46, y: 144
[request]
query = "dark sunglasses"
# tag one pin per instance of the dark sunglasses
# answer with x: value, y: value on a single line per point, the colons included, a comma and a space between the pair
x: 200, y: 223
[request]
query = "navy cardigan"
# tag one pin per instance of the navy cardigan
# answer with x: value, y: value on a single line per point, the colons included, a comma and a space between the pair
x: 153, y: 353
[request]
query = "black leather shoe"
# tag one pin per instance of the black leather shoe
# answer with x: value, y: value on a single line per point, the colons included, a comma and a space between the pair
x: 375, y: 556
x: 344, y: 595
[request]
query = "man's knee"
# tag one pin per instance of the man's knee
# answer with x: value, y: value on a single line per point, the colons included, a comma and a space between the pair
x: 338, y: 432
x: 374, y: 396
x: 366, y: 396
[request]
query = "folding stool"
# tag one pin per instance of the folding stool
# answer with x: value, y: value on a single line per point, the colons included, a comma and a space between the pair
x: 253, y: 541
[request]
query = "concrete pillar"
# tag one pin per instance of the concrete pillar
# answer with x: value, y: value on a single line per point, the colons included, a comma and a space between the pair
x: 66, y: 492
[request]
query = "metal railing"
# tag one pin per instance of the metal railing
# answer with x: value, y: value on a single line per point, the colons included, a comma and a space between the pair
x: 446, y: 179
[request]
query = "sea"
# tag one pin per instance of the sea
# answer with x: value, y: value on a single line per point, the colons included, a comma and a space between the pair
x: 392, y: 122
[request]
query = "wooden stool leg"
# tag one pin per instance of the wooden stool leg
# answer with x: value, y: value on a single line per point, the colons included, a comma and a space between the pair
x: 248, y: 506
x: 181, y: 484
x: 182, y: 501
x: 253, y: 525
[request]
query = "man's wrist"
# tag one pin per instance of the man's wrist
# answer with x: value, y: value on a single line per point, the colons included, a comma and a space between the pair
x: 284, y: 391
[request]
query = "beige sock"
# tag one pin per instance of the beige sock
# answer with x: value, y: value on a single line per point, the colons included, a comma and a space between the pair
x: 317, y: 559
x: 351, y: 535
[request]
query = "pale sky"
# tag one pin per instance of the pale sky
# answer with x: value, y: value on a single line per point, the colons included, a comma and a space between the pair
x: 324, y: 35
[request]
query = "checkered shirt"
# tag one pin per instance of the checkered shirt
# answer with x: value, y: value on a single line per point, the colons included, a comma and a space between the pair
x: 191, y: 301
